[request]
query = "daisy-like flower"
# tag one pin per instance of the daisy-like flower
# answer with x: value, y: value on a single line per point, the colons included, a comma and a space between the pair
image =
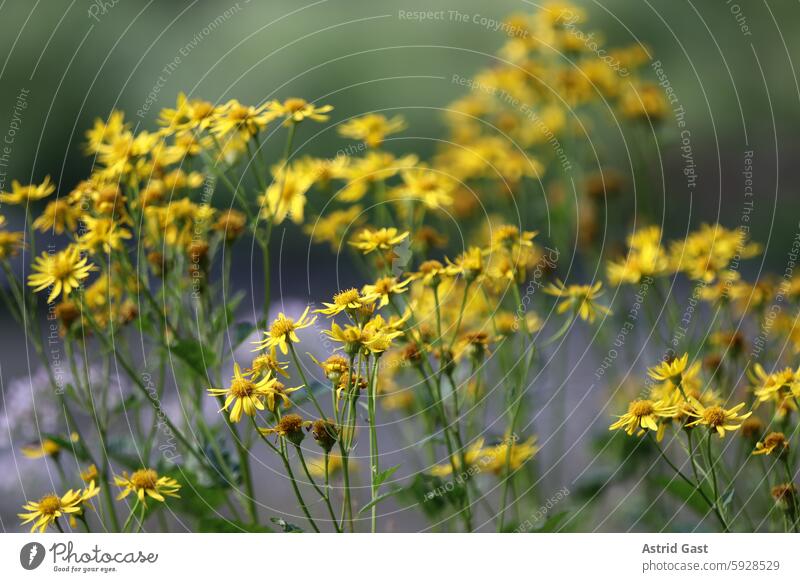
x: 266, y: 364
x: 103, y: 233
x: 348, y: 300
x: 244, y: 394
x: 508, y: 236
x: 468, y: 264
x: 284, y: 331
x: 10, y: 243
x: 30, y: 193
x: 58, y: 216
x: 286, y: 196
x: 382, y: 239
x: 333, y: 367
x: 431, y: 188
x: 350, y: 336
x: 372, y: 128
x: 581, y: 299
x: 773, y: 442
x: 385, y: 288
x: 62, y: 271
x: 146, y: 483
x: 378, y: 334
x: 777, y: 385
x: 50, y: 508
x: 430, y: 272
x: 644, y: 414
x: 670, y: 370
x: 240, y: 120
x: 717, y: 418
x: 295, y: 110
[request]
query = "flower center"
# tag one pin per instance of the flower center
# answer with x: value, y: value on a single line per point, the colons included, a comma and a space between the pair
x: 144, y: 479
x: 641, y: 408
x: 242, y: 387
x: 295, y: 104
x: 346, y: 297
x: 281, y: 327
x: 49, y: 504
x: 714, y: 416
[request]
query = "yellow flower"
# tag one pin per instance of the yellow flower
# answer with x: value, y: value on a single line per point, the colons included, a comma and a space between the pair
x: 240, y: 121
x: 295, y: 110
x: 244, y: 395
x: 776, y: 386
x: 62, y: 271
x: 378, y: 334
x: 643, y: 101
x: 188, y: 114
x: 25, y: 194
x: 103, y: 233
x: 103, y: 132
x: 509, y: 236
x: 10, y: 243
x: 347, y: 300
x: 644, y: 414
x: 50, y: 508
x: 283, y: 331
x: 58, y: 216
x: 374, y: 167
x: 285, y: 196
x: 646, y: 258
x: 774, y: 440
x: 147, y: 483
x: 266, y: 364
x: 705, y: 253
x: 90, y: 474
x: 350, y: 336
x: 383, y: 239
x: 671, y: 369
x: 332, y: 227
x: 716, y: 417
x: 432, y: 188
x: 579, y: 298
x: 46, y: 448
x: 372, y: 128
x: 385, y: 288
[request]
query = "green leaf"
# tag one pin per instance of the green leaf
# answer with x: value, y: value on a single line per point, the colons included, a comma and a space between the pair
x: 381, y: 477
x: 685, y: 493
x: 378, y: 499
x: 241, y: 331
x: 194, y: 354
x: 285, y: 526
